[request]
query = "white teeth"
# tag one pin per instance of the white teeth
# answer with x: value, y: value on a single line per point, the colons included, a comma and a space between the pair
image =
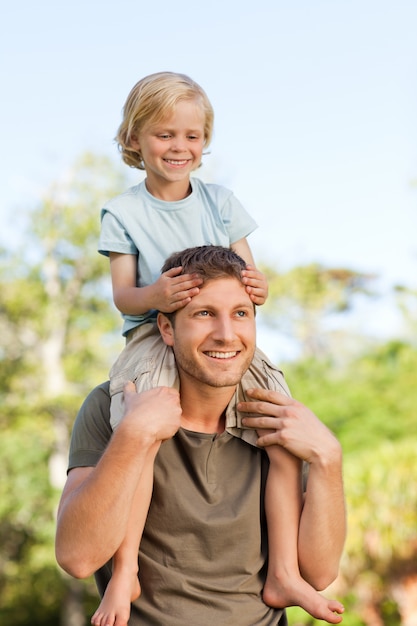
x: 176, y: 162
x: 221, y: 355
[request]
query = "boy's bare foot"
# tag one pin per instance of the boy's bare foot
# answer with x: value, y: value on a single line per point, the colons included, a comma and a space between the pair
x: 304, y: 595
x: 114, y: 609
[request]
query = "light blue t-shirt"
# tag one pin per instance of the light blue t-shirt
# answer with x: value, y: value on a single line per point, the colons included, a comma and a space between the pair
x: 138, y: 223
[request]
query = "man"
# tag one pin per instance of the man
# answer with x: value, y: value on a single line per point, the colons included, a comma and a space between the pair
x: 203, y: 552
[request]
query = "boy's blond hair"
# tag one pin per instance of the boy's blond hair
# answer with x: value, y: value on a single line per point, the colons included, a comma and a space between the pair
x: 153, y: 99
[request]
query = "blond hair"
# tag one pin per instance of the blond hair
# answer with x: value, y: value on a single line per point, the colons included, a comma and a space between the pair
x: 153, y: 99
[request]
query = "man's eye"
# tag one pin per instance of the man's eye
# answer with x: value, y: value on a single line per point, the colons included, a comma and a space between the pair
x: 203, y: 313
x: 241, y: 313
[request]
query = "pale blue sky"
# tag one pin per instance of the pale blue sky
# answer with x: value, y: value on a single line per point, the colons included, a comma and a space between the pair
x: 315, y: 104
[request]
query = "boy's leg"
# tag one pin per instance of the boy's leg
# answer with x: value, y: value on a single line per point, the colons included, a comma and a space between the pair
x: 124, y: 587
x: 148, y: 362
x: 284, y: 585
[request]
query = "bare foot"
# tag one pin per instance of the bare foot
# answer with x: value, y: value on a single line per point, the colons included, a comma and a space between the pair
x: 114, y: 609
x: 300, y: 593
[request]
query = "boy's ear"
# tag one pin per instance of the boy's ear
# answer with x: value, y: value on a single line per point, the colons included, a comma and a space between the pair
x: 166, y: 329
x: 134, y: 142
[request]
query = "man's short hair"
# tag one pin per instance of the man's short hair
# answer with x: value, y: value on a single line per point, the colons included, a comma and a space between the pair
x: 208, y: 262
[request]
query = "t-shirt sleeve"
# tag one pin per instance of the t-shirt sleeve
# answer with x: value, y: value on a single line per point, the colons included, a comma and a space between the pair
x: 114, y: 236
x: 236, y: 219
x: 92, y: 430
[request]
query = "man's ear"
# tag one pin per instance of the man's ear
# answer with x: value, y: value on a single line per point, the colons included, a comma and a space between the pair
x: 166, y: 329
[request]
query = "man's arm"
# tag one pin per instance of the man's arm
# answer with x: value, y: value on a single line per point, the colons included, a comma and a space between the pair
x: 322, y: 530
x: 96, y: 502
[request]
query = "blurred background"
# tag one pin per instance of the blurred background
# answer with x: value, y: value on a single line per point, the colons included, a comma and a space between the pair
x: 315, y: 132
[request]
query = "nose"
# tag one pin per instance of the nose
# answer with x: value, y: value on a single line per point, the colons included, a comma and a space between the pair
x: 178, y: 144
x: 223, y: 329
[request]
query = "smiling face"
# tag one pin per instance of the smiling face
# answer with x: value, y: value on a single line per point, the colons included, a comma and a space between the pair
x: 172, y: 149
x: 213, y: 337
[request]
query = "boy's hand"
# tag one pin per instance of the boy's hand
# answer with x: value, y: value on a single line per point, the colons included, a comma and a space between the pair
x: 256, y: 284
x: 174, y: 290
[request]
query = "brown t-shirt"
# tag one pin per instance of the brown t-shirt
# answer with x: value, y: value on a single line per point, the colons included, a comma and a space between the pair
x: 203, y: 553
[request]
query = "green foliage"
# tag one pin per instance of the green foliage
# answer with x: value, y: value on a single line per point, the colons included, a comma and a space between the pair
x: 56, y: 289
x: 371, y: 399
x: 26, y: 516
x: 370, y: 405
x: 31, y: 586
x: 301, y: 301
x: 58, y: 336
x: 382, y: 508
x: 407, y: 303
x: 381, y: 548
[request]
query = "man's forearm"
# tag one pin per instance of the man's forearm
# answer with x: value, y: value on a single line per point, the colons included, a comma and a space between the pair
x: 96, y: 504
x: 323, y: 522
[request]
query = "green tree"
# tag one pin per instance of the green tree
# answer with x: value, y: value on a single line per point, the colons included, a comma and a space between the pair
x: 380, y: 560
x: 304, y: 298
x: 370, y: 405
x: 407, y: 303
x: 59, y: 335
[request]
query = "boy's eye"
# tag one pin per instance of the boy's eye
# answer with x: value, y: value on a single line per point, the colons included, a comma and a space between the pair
x: 164, y: 136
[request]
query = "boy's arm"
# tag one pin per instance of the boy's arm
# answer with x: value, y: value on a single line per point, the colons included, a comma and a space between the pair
x: 169, y: 293
x: 96, y: 501
x: 255, y: 281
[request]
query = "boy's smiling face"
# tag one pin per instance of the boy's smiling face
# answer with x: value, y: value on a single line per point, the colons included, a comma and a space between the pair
x: 173, y: 148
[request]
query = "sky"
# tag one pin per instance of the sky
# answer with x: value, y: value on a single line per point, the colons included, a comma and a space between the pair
x: 315, y: 112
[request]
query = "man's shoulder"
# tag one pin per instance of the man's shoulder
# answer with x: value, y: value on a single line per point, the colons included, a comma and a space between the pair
x: 96, y: 404
x: 92, y: 430
x: 100, y: 393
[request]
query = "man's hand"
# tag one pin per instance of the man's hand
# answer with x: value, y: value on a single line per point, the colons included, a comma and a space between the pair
x: 291, y: 425
x: 256, y: 284
x: 153, y: 414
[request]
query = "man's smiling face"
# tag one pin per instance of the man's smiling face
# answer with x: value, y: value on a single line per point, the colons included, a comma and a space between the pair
x: 214, y: 336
